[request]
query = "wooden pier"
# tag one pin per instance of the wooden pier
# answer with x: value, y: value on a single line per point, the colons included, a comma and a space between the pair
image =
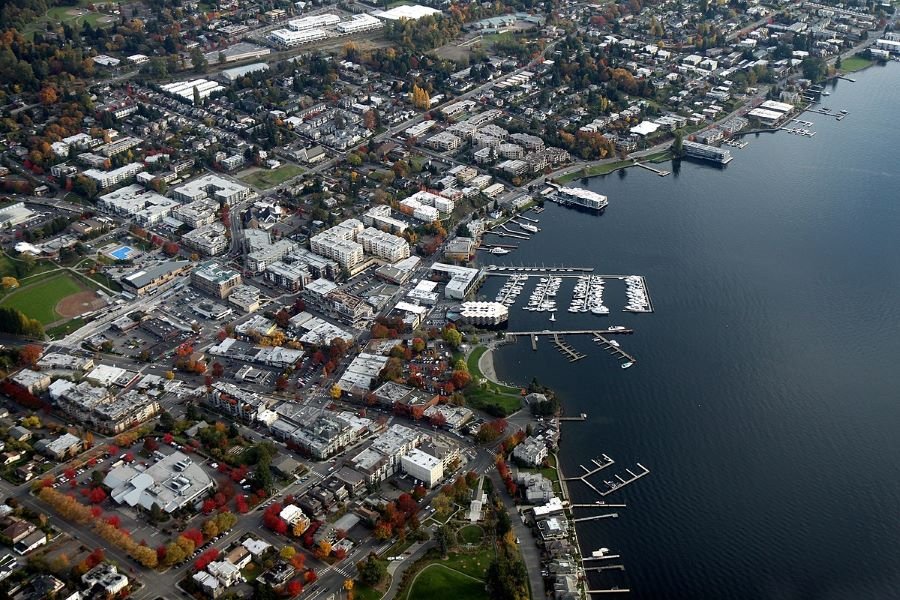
x: 621, y: 482
x: 523, y: 270
x: 613, y: 349
x: 534, y: 342
x: 594, y: 332
x: 605, y: 557
x: 530, y: 220
x: 508, y: 234
x: 605, y: 568
x: 568, y: 351
x: 596, y: 517
x: 600, y: 505
x: 599, y: 466
x: 581, y: 417
x: 660, y: 172
x: 610, y: 591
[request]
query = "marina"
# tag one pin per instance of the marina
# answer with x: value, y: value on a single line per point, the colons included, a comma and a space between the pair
x: 638, y: 298
x: 588, y: 296
x: 543, y: 298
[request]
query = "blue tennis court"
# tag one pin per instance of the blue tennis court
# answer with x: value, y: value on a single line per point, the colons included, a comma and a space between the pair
x: 122, y: 252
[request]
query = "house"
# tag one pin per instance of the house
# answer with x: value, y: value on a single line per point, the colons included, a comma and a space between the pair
x: 18, y: 530
x: 31, y: 542
x: 61, y: 447
x: 19, y: 434
x: 240, y: 557
x: 104, y: 580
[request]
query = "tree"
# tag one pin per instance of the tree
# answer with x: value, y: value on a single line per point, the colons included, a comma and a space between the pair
x: 372, y: 570
x: 336, y: 392
x: 452, y: 337
x: 9, y: 283
x: 324, y: 549
x: 445, y: 537
x: 288, y: 552
x: 198, y: 61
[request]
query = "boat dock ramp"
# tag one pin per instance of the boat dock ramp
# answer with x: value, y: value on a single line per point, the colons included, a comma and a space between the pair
x: 610, y: 486
x: 581, y: 417
x: 567, y: 350
x: 610, y: 591
x: 621, y: 482
x: 599, y: 466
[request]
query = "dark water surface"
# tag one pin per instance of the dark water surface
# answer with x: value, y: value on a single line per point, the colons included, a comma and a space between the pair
x: 766, y: 397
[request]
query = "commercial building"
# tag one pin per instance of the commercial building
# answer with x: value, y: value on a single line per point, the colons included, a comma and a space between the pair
x: 313, y: 21
x: 68, y: 362
x: 232, y: 75
x: 105, y: 179
x: 14, y: 214
x: 146, y: 280
x: 197, y: 213
x: 174, y: 482
x: 358, y: 24
x: 62, y: 447
x: 142, y: 206
x: 187, y: 89
x: 32, y: 381
x: 262, y: 251
x: 410, y: 12
x: 218, y: 188
x: 383, y: 245
x: 484, y: 313
x: 290, y: 276
x: 215, y: 279
x: 426, y: 468
x: 245, y: 297
x: 711, y: 153
x: 211, y: 239
x: 361, y: 372
x: 461, y: 281
x: 285, y: 38
x: 95, y: 406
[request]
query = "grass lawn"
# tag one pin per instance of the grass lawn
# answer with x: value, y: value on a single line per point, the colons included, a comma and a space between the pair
x: 437, y: 582
x: 250, y: 572
x: 470, y: 534
x: 488, y: 394
x: 265, y: 179
x: 38, y: 300
x: 595, y: 170
x: 473, y: 564
x: 855, y: 63
x: 364, y: 592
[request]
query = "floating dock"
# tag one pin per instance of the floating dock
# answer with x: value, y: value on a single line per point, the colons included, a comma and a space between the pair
x: 595, y: 332
x: 568, y: 351
x: 596, y: 517
x: 581, y: 417
x: 599, y: 466
x: 606, y: 568
x: 610, y: 591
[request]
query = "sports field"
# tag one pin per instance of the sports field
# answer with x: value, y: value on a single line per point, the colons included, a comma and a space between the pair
x: 39, y: 300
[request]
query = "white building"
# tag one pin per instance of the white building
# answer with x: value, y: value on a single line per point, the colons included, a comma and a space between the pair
x: 218, y: 188
x: 338, y: 243
x: 424, y: 467
x: 105, y: 179
x: 359, y: 23
x: 142, y: 206
x: 186, y: 89
x: 285, y: 38
x: 210, y: 239
x: 383, y: 245
x: 171, y: 483
x: 380, y: 218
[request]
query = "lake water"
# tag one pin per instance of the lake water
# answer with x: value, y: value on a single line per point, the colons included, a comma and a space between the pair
x: 766, y: 396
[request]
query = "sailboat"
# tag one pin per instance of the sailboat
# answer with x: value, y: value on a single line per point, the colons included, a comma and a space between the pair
x: 553, y: 317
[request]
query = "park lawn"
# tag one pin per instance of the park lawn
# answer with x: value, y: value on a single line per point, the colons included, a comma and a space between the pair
x: 488, y: 396
x: 473, y: 564
x: 66, y: 328
x: 855, y: 63
x: 438, y: 582
x: 38, y: 300
x: 364, y: 592
x: 265, y: 179
x: 595, y: 170
x: 470, y: 534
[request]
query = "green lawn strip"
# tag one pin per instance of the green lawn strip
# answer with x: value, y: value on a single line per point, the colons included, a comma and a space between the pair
x: 595, y: 170
x: 66, y: 328
x: 854, y: 63
x: 38, y: 300
x: 438, y: 582
x: 482, y: 398
x: 267, y: 179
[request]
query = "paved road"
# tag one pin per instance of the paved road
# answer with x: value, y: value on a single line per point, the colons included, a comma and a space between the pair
x: 399, y: 569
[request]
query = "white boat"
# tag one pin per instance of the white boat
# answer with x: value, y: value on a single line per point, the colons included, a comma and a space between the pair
x: 614, y: 343
x: 627, y: 364
x: 617, y: 328
x: 499, y: 251
x: 529, y: 227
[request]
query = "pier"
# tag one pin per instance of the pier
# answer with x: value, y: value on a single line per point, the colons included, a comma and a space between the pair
x: 581, y: 417
x: 621, y: 482
x: 599, y: 504
x: 508, y: 233
x: 596, y: 517
x: 568, y: 351
x: 610, y: 591
x: 613, y: 349
x: 660, y: 172
x: 509, y: 269
x: 606, y: 568
x: 605, y: 557
x: 588, y: 472
x: 530, y: 220
x: 594, y: 332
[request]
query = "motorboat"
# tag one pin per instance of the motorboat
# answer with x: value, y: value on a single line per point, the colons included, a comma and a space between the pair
x: 499, y: 251
x: 626, y: 365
